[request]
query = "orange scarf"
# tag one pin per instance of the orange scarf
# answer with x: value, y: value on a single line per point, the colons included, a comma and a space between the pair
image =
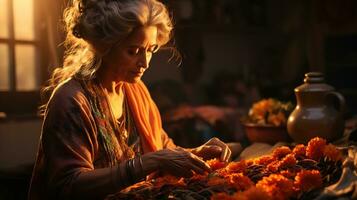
x: 146, y: 115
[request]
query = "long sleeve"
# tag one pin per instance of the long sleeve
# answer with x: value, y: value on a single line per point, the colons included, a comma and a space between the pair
x: 68, y: 149
x: 69, y: 145
x: 71, y: 163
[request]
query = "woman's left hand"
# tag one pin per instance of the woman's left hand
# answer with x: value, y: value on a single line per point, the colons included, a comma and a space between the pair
x: 214, y: 148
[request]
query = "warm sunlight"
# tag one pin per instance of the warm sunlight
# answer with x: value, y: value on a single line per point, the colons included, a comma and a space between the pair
x: 25, y: 67
x: 4, y: 31
x: 4, y: 67
x: 24, y: 19
x: 17, y: 26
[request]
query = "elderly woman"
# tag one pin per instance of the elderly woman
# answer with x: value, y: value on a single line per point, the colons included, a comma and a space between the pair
x: 102, y: 132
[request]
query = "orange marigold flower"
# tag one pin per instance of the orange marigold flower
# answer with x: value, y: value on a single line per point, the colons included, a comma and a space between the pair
x: 290, y: 174
x: 281, y: 152
x: 236, y: 167
x: 277, y: 119
x: 222, y: 196
x: 199, y: 177
x: 299, y: 150
x: 240, y: 182
x: 217, y: 181
x: 274, y: 166
x: 269, y: 111
x: 216, y: 164
x: 253, y: 193
x: 315, y: 148
x: 277, y: 186
x: 332, y: 152
x: 264, y: 160
x: 287, y: 161
x: 261, y: 107
x: 307, y: 180
x: 250, y: 162
x: 169, y: 180
x: 223, y: 172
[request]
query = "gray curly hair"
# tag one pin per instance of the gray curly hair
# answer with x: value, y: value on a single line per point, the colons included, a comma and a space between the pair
x: 91, y: 24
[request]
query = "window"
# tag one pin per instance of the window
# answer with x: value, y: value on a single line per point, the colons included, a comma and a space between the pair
x: 18, y: 46
x: 21, y: 67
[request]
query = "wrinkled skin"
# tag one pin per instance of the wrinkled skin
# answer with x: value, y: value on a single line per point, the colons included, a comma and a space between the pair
x: 185, y: 162
x: 180, y: 162
x: 214, y: 148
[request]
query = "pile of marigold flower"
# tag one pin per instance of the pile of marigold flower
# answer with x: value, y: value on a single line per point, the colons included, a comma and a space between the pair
x: 269, y: 111
x: 287, y: 173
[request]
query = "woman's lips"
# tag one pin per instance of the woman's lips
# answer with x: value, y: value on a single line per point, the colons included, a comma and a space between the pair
x: 138, y: 73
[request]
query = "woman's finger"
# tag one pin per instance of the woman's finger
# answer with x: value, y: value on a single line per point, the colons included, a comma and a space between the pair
x: 197, y: 169
x: 213, y: 150
x: 183, y: 172
x: 228, y: 155
x: 223, y: 154
x: 179, y: 167
x: 226, y: 152
x: 199, y: 163
x: 187, y: 173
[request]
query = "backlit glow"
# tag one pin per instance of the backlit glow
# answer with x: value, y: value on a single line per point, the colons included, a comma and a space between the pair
x: 24, y: 19
x: 4, y: 22
x: 4, y: 68
x: 26, y: 71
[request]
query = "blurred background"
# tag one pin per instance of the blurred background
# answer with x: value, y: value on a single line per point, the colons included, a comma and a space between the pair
x: 234, y: 53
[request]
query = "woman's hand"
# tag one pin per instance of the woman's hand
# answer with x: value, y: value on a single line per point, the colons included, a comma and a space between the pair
x: 214, y: 148
x: 178, y: 162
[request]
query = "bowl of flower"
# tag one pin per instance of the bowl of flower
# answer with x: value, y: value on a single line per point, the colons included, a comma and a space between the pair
x: 266, y: 121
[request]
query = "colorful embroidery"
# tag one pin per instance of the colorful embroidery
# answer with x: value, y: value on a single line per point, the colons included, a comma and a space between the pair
x: 108, y: 131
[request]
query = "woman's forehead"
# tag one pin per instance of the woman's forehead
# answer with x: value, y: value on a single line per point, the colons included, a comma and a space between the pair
x: 142, y: 36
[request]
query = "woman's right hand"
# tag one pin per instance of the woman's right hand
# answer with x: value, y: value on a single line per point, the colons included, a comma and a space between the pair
x: 178, y: 162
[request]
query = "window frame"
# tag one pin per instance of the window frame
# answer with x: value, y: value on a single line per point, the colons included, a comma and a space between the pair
x: 12, y: 101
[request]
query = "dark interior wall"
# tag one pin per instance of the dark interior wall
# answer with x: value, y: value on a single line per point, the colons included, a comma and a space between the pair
x: 263, y: 38
x: 276, y: 41
x: 18, y: 146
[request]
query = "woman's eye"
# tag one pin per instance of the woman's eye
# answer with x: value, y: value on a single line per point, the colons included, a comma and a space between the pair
x: 136, y: 51
x: 133, y: 51
x: 153, y: 49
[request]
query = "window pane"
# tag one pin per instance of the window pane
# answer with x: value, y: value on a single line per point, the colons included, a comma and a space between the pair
x: 4, y: 67
x: 26, y: 71
x: 24, y: 19
x: 4, y: 31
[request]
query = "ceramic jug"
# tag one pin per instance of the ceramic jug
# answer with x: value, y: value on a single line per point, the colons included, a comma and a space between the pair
x: 319, y: 111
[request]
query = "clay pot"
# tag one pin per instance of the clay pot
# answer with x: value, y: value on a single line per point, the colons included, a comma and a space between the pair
x: 319, y: 111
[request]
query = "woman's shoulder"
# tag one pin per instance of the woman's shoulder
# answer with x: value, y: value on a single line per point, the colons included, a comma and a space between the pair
x: 68, y: 89
x: 67, y: 93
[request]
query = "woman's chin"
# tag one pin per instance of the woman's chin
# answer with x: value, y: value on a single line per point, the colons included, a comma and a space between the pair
x: 133, y: 80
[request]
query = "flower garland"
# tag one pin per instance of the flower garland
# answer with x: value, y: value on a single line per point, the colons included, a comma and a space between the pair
x: 287, y: 173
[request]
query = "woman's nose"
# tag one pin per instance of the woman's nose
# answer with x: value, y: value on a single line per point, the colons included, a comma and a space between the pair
x: 144, y: 60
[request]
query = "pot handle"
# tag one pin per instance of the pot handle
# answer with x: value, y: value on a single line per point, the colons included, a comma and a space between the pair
x: 341, y: 103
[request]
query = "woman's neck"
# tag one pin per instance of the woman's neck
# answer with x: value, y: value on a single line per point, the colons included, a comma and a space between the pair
x: 115, y: 97
x: 108, y: 82
x: 113, y: 89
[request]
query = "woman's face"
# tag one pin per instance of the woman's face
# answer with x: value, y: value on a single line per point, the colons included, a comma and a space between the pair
x: 128, y: 60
